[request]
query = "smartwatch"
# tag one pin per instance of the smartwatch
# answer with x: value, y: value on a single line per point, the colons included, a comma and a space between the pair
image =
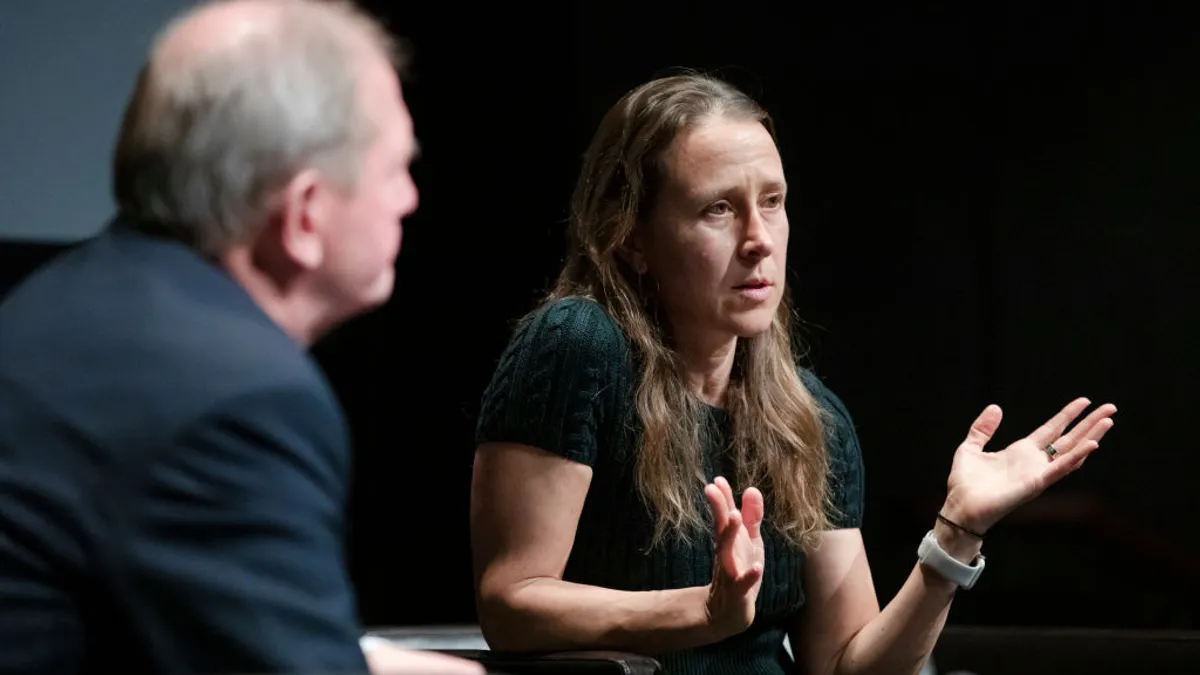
x: 931, y: 555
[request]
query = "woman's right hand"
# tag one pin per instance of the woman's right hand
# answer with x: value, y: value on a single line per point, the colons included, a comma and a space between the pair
x: 738, y: 560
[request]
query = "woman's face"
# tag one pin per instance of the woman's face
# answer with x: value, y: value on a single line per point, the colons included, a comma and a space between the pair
x: 716, y: 239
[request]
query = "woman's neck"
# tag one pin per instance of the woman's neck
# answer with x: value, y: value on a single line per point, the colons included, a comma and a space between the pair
x: 707, y: 364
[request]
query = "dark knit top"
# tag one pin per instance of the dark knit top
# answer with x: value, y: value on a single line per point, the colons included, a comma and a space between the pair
x: 566, y: 384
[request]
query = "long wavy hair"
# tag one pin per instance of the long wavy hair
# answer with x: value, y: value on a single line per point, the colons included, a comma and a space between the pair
x: 777, y: 441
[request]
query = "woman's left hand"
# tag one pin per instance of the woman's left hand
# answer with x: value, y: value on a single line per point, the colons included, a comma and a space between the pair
x: 986, y: 486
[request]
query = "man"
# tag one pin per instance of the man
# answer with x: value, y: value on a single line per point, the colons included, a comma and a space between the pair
x: 173, y: 466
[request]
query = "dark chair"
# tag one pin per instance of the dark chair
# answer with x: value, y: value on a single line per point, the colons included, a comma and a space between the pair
x: 467, y: 642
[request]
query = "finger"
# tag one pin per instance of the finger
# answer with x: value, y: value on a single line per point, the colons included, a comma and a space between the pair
x: 1093, y: 436
x: 1053, y: 428
x: 752, y: 511
x: 1066, y: 463
x: 725, y: 543
x: 1087, y: 429
x: 1079, y: 459
x: 727, y: 491
x: 720, y: 511
x: 984, y: 426
x: 1099, y: 429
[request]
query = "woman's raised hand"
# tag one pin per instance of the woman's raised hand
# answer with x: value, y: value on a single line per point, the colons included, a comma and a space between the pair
x: 738, y: 559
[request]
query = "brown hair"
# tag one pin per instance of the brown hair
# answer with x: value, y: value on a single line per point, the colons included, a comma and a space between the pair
x: 777, y: 428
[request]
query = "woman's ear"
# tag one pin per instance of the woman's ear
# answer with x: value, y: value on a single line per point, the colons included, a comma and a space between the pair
x: 633, y: 253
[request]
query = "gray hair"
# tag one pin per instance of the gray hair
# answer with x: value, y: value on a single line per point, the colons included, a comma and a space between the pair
x: 206, y: 141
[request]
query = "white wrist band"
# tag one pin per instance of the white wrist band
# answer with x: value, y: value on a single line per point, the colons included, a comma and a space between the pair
x: 931, y: 554
x: 369, y: 643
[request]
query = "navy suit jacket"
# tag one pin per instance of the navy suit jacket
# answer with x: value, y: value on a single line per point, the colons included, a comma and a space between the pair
x: 173, y: 475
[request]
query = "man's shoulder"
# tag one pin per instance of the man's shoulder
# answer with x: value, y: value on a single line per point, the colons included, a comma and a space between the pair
x: 136, y: 290
x: 121, y: 325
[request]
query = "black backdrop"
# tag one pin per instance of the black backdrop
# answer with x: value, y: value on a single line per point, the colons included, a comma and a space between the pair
x: 988, y: 205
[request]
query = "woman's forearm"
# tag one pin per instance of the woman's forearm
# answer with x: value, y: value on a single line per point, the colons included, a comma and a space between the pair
x: 902, y: 636
x: 550, y: 614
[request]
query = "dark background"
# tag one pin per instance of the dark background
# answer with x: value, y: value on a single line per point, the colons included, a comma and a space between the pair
x: 987, y: 205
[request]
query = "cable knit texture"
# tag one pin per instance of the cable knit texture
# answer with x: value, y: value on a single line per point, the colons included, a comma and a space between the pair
x: 566, y: 384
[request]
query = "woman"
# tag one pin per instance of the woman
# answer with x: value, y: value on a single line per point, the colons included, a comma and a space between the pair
x: 660, y: 374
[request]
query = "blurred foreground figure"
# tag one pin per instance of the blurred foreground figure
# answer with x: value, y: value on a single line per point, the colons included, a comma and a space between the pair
x: 173, y: 465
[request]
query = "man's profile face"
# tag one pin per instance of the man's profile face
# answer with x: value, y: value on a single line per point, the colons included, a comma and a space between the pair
x: 365, y: 239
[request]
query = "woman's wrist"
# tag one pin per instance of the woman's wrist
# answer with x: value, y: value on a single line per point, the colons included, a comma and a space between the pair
x: 969, y: 519
x: 716, y: 627
x: 957, y: 534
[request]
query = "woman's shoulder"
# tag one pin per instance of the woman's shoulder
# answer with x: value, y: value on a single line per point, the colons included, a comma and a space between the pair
x: 820, y: 390
x: 846, y: 471
x: 825, y: 397
x: 839, y: 424
x: 567, y: 344
x: 558, y: 384
x: 575, y: 324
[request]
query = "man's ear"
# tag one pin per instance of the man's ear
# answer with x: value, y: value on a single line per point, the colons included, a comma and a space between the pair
x: 304, y: 214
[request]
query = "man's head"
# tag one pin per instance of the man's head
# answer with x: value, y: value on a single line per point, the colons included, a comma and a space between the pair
x: 272, y: 136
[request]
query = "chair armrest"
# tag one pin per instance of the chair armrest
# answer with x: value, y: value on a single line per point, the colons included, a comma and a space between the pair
x: 582, y: 662
x: 466, y: 641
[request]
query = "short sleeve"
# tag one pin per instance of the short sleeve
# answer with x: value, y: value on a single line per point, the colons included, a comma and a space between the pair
x: 846, y: 479
x: 558, y: 382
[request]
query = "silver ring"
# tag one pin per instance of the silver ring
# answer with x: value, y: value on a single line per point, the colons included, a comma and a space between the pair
x: 1051, y: 450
